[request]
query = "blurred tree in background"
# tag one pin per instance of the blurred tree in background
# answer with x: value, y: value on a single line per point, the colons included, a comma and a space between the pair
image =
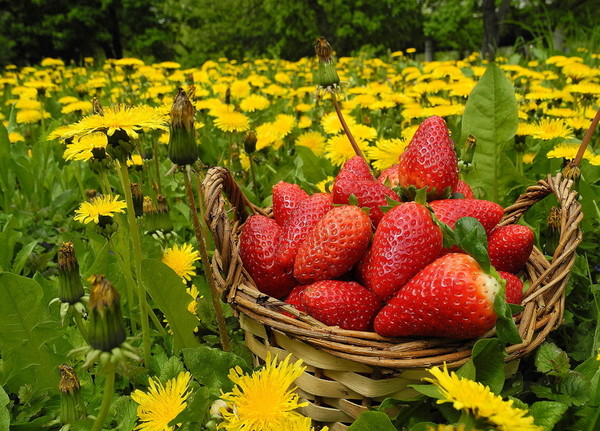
x: 192, y: 31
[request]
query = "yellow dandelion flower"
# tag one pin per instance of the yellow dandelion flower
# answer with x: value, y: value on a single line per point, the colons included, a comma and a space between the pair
x: 135, y: 160
x: 386, y: 152
x: 568, y: 151
x: 118, y: 117
x: 528, y: 158
x: 303, y: 107
x: 52, y: 62
x: 82, y: 148
x: 15, y: 137
x: 100, y: 206
x: 595, y: 160
x: 331, y: 123
x: 254, y: 102
x: 28, y: 104
x: 240, y: 89
x: 459, y: 427
x: 313, y: 140
x: 128, y: 62
x: 325, y: 185
x: 30, y: 116
x: 284, y: 124
x: 411, y: 50
x: 338, y: 149
x: 547, y: 129
x: 181, y: 260
x: 193, y: 292
x: 264, y: 400
x: 578, y: 123
x: 362, y: 132
x: 304, y: 122
x: 583, y: 88
x: 477, y: 399
x: 162, y: 403
x: 83, y: 106
x: 232, y: 121
x: 526, y: 129
x: 396, y: 54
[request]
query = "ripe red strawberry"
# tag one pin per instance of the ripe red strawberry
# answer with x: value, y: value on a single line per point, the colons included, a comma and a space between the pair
x: 285, y: 198
x: 430, y: 159
x: 405, y: 241
x: 390, y: 176
x: 257, y: 251
x: 355, y: 168
x: 514, y: 287
x: 370, y: 194
x: 510, y: 246
x: 450, y: 210
x: 346, y: 304
x: 295, y: 299
x: 334, y: 246
x: 464, y: 189
x: 452, y: 297
x: 303, y: 219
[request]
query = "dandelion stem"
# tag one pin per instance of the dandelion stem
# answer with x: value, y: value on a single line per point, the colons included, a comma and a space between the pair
x: 157, y: 167
x: 104, y: 184
x: 345, y: 126
x: 586, y: 139
x: 80, y: 325
x: 137, y: 254
x: 129, y: 282
x: 214, y: 293
x: 109, y: 389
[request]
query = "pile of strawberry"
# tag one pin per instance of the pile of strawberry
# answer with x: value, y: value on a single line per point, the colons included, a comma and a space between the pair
x: 343, y: 259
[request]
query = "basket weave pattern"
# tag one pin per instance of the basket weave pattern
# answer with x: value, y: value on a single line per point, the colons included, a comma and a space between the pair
x: 347, y: 371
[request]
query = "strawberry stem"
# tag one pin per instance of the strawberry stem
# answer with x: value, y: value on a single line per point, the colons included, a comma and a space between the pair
x: 345, y: 126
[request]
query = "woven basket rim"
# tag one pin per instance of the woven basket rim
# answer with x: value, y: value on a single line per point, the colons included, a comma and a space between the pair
x: 226, y: 209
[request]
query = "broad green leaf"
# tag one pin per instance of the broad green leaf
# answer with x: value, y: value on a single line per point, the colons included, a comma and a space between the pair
x: 372, y: 421
x: 4, y: 160
x: 488, y: 358
x: 210, y: 367
x: 430, y: 391
x: 8, y: 239
x: 171, y: 368
x: 547, y: 413
x: 549, y: 358
x: 4, y: 412
x: 424, y: 426
x: 168, y: 292
x: 505, y: 325
x: 22, y: 257
x: 27, y: 333
x: 198, y: 407
x: 125, y: 412
x: 572, y: 389
x: 491, y: 116
x: 470, y: 236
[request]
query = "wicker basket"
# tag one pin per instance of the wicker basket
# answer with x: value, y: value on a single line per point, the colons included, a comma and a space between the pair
x: 348, y: 371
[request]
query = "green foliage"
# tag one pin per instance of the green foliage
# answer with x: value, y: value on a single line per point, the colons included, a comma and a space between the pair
x: 168, y: 292
x: 491, y: 117
x: 372, y: 421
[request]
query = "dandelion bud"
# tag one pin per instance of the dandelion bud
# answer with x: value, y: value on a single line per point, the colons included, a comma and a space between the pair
x: 552, y: 233
x: 99, y: 161
x: 70, y: 287
x: 91, y: 194
x: 107, y: 326
x: 183, y: 149
x: 250, y: 140
x: 326, y: 75
x: 72, y: 407
x: 156, y: 217
x: 138, y: 199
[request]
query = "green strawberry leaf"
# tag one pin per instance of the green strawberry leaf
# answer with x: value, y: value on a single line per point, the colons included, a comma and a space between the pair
x: 353, y: 200
x: 371, y: 420
x: 505, y: 325
x: 551, y: 359
x: 547, y: 413
x: 470, y: 236
x: 421, y: 195
x: 457, y: 195
x: 391, y: 203
x: 447, y: 231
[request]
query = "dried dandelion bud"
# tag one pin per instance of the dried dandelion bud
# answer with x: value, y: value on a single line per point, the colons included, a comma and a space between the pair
x: 468, y: 149
x: 72, y: 407
x: 70, y: 287
x: 572, y: 171
x: 183, y: 149
x: 107, y: 326
x: 326, y: 75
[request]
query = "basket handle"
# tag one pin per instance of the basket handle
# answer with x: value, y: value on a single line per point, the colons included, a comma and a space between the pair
x: 570, y: 236
x: 217, y: 185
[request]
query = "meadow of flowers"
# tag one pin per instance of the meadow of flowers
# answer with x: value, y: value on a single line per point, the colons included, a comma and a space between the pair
x: 107, y: 319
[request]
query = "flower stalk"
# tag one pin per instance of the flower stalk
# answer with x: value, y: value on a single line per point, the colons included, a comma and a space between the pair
x: 109, y: 390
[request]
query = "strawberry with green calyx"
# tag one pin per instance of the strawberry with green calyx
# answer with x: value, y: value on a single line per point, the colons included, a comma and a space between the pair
x: 369, y: 194
x: 346, y: 304
x: 334, y: 246
x: 257, y: 251
x: 510, y: 247
x: 389, y: 176
x: 470, y: 236
x: 450, y: 210
x: 296, y: 228
x: 406, y: 240
x: 464, y: 189
x: 285, y: 198
x: 430, y: 160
